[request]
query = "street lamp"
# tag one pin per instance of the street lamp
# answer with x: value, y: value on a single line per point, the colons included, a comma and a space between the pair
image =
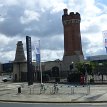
x: 72, y: 66
x: 86, y: 73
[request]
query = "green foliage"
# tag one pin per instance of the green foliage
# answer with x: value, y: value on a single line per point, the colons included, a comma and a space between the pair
x: 90, y: 67
x: 104, y: 63
x: 84, y: 67
x: 79, y: 66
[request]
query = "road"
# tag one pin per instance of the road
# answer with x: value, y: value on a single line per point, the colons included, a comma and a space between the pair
x: 52, y: 105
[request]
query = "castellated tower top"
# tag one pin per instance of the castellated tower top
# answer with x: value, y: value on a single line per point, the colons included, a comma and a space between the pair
x: 71, y: 17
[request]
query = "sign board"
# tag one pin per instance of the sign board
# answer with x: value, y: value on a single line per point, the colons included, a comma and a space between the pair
x: 105, y: 38
x: 29, y: 61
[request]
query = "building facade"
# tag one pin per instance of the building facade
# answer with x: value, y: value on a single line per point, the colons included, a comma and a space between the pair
x: 72, y: 51
x: 97, y: 58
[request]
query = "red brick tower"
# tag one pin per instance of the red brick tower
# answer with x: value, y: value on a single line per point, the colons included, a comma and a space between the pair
x: 72, y: 37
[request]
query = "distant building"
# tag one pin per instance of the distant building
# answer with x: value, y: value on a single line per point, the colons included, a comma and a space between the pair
x: 101, y: 60
x: 7, y: 67
x: 97, y: 58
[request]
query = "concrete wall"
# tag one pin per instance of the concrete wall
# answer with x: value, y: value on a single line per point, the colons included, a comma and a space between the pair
x: 50, y: 64
x: 17, y: 69
x: 68, y: 60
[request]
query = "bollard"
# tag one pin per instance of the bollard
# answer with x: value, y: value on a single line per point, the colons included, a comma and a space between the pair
x: 88, y: 89
x: 72, y: 89
x: 19, y: 90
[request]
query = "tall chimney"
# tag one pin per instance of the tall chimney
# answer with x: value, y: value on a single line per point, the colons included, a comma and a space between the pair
x: 20, y: 56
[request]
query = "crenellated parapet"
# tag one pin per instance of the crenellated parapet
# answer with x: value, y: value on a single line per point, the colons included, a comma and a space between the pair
x: 71, y: 17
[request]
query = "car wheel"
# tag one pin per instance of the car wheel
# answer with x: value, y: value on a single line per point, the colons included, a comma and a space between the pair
x: 5, y: 80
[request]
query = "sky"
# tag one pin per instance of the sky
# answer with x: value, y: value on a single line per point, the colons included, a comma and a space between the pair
x: 42, y: 20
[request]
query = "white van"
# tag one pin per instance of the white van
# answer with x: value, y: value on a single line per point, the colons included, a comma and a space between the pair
x: 6, y: 78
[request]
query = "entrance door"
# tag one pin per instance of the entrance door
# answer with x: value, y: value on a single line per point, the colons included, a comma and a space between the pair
x: 55, y: 71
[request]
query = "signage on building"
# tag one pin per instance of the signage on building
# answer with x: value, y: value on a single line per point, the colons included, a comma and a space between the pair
x: 29, y: 61
x: 105, y: 38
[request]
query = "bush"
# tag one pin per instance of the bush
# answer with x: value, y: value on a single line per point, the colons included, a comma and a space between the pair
x: 74, y: 78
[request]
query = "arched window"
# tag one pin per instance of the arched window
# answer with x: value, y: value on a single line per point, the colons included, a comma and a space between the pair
x: 55, y: 71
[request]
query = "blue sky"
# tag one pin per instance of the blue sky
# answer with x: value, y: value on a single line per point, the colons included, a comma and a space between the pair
x: 41, y: 19
x: 102, y: 1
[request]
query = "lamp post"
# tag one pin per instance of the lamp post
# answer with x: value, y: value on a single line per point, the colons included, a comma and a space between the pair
x: 71, y: 66
x: 86, y: 79
x: 86, y: 73
x: 100, y: 65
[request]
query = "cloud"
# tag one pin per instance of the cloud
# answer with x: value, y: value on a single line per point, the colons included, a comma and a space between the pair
x: 29, y: 16
x: 22, y: 21
x: 41, y: 19
x: 50, y: 54
x: 11, y: 26
x: 8, y: 47
x: 53, y: 43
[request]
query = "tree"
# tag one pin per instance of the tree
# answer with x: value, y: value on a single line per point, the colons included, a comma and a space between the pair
x: 84, y: 67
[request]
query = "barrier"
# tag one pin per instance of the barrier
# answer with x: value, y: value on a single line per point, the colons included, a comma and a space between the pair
x: 57, y: 89
x: 42, y: 88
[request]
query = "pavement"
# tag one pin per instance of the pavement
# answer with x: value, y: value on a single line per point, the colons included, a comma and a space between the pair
x: 49, y: 93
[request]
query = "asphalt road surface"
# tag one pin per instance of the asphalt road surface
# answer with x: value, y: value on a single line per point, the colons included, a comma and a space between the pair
x: 52, y: 105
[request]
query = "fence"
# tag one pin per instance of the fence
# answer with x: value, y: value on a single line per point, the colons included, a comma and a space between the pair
x: 100, y: 78
x: 51, y: 89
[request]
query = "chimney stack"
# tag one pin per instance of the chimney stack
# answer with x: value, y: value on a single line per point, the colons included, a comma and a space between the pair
x: 20, y: 56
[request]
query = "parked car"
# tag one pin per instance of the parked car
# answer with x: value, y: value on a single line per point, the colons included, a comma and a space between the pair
x: 6, y: 78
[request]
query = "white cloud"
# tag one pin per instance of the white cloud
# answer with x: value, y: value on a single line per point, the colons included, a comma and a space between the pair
x: 29, y: 16
x: 7, y: 56
x: 8, y: 47
x: 41, y: 19
x: 4, y: 40
x: 91, y: 9
x: 51, y: 55
x: 9, y: 2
